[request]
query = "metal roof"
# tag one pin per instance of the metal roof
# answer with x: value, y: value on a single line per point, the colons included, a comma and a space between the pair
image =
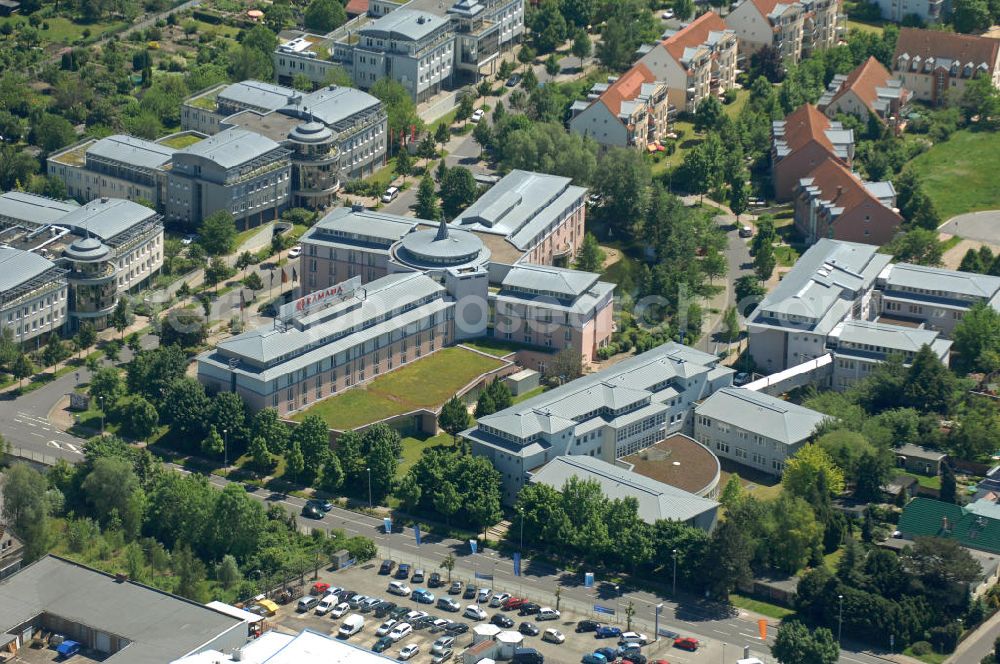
x: 364, y: 223
x: 24, y: 207
x: 762, y: 414
x: 332, y: 105
x: 160, y: 626
x: 231, y: 147
x: 545, y: 279
x: 922, y: 278
x: 890, y: 337
x: 17, y: 267
x: 107, y: 218
x: 132, y: 151
x: 437, y: 248
x: 257, y: 94
x: 656, y: 499
x: 406, y: 23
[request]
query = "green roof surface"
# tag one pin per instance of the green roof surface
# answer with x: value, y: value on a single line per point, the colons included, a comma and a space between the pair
x: 926, y: 517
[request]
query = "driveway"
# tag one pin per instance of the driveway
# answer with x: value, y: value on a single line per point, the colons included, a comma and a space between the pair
x: 982, y: 226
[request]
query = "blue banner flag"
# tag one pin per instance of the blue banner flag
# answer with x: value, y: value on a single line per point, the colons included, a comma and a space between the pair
x: 517, y: 563
x: 387, y: 524
x: 603, y: 609
x: 473, y: 544
x: 416, y: 533
x: 588, y: 580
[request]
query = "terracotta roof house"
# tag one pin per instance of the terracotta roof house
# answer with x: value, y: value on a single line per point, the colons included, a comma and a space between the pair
x: 801, y: 142
x: 794, y: 28
x: 833, y: 202
x: 633, y: 111
x: 869, y: 89
x: 935, y: 64
x: 356, y: 8
x: 696, y: 61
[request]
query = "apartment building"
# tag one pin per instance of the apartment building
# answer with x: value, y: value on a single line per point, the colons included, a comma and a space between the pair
x: 801, y: 142
x: 835, y: 203
x: 633, y: 111
x: 830, y: 283
x: 933, y: 297
x: 117, y: 166
x: 754, y: 429
x: 937, y: 65
x: 859, y: 346
x: 928, y: 11
x: 869, y: 90
x: 825, y: 25
x: 236, y: 170
x: 696, y: 61
x: 33, y: 296
x: 606, y: 415
x: 794, y: 29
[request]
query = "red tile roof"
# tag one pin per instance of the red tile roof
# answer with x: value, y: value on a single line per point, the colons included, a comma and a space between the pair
x: 839, y: 186
x: 693, y: 35
x: 627, y: 87
x: 765, y: 7
x: 864, y: 81
x: 356, y: 7
x: 940, y: 44
x: 806, y: 124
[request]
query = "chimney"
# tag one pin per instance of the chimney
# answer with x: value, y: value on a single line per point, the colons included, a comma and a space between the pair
x: 944, y: 524
x: 840, y: 190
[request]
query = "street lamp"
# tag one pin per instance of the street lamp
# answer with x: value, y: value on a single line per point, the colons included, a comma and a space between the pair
x: 656, y: 622
x: 673, y: 593
x: 225, y: 448
x: 369, y: 470
x: 520, y: 513
x: 101, y: 399
x: 840, y: 619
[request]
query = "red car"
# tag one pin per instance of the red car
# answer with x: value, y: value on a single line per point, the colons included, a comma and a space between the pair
x: 686, y: 643
x: 319, y: 588
x: 512, y: 603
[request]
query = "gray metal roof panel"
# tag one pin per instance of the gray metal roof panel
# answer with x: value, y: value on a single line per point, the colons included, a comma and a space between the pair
x: 571, y: 283
x: 762, y: 414
x: 17, y: 266
x: 939, y: 279
x: 107, y: 218
x: 257, y: 94
x: 231, y: 147
x: 132, y: 151
x: 892, y: 337
x: 364, y: 222
x: 32, y: 208
x: 407, y: 23
x: 332, y: 105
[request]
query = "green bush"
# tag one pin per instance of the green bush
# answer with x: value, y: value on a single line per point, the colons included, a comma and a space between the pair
x: 921, y: 648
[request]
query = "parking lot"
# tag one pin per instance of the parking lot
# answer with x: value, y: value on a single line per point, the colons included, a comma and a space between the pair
x: 366, y: 580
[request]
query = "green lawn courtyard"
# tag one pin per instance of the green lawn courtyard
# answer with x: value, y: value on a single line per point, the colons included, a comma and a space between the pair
x: 425, y: 383
x: 960, y: 174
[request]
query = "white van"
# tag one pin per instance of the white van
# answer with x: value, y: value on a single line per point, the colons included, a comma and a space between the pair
x: 390, y: 194
x: 325, y: 604
x: 352, y: 625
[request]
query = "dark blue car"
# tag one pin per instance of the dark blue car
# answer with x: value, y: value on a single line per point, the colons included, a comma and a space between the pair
x: 607, y: 632
x: 610, y: 654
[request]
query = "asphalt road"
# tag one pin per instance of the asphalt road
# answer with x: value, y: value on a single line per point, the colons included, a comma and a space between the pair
x: 981, y: 226
x: 738, y: 263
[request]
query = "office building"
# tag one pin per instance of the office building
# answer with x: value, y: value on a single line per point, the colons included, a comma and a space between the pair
x: 206, y: 110
x: 801, y: 142
x: 632, y: 111
x: 236, y: 170
x: 606, y: 415
x: 937, y: 65
x: 33, y: 297
x: 859, y: 346
x: 754, y: 429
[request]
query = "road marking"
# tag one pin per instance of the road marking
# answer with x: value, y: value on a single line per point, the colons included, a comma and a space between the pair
x: 37, y: 434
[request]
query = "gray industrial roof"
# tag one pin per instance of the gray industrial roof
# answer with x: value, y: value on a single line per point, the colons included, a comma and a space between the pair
x: 332, y: 105
x: 407, y: 24
x: 890, y: 337
x: 17, y: 266
x: 439, y: 247
x: 257, y: 94
x: 927, y: 279
x: 160, y: 626
x: 231, y: 147
x: 107, y: 218
x: 360, y: 227
x: 521, y: 205
x: 919, y: 452
x: 824, y: 281
x: 546, y: 280
x: 762, y: 414
x: 132, y: 150
x: 20, y: 206
x: 656, y: 499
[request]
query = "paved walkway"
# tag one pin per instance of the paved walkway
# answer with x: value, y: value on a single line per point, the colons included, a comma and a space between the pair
x: 982, y: 226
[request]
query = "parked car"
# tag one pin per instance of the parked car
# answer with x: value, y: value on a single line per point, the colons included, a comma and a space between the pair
x: 386, y: 627
x: 594, y: 658
x: 443, y: 643
x: 387, y: 567
x: 547, y: 613
x: 390, y: 194
x: 587, y: 626
x: 423, y: 622
x: 457, y: 628
x: 607, y: 632
x: 449, y: 604
x: 478, y: 115
x: 635, y: 658
x: 527, y: 656
x: 630, y: 651
x: 553, y: 636
x: 382, y: 644
x: 528, y: 629
x: 408, y: 651
x: 295, y: 251
x: 403, y: 572
x: 741, y: 378
x: 609, y: 654
x: 324, y: 505
x: 470, y: 592
x: 355, y: 600
x: 325, y: 605
x: 414, y: 616
x: 456, y: 588
x: 687, y: 643
x: 528, y: 609
x: 474, y: 612
x: 383, y: 609
x: 190, y: 238
x: 311, y: 511
x: 500, y: 620
x: 498, y: 599
x: 746, y: 231
x: 434, y: 580
x: 633, y: 637
x: 369, y: 604
x: 351, y: 626
x: 399, y: 612
x: 512, y: 603
x: 667, y: 15
x: 319, y: 588
x: 418, y: 576
x: 483, y: 595
x: 400, y: 631
x: 307, y: 603
x: 422, y: 596
x: 399, y: 588
x: 443, y: 656
x: 514, y: 80
x: 439, y: 625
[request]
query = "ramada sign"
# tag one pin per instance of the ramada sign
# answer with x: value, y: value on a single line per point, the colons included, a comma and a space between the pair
x: 321, y: 298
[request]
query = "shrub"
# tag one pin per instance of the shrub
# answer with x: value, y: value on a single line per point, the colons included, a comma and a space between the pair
x: 921, y: 648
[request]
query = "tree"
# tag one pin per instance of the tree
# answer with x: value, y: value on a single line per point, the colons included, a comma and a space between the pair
x: 190, y: 573
x: 448, y: 563
x: 217, y: 271
x: 324, y: 15
x: 458, y: 191
x: 295, y: 463
x: 917, y: 245
x: 797, y: 534
x: 228, y: 414
x: 382, y: 444
x: 797, y: 644
x: 749, y: 292
x: 582, y: 46
x: 977, y: 338
x: 913, y: 202
x: 548, y: 27
x: 213, y: 444
x: 466, y: 106
x: 930, y: 386
x: 454, y: 417
x: 948, y: 485
x: 485, y: 405
x: 53, y: 132
x: 732, y: 493
x: 110, y: 489
x: 764, y: 263
x: 447, y: 501
x: 120, y: 317
x: 404, y: 163
x: 552, y: 66
x: 730, y: 325
x: 683, y: 9
x: 811, y: 474
x: 53, y: 352
x: 427, y: 201
x: 591, y: 256
x: 86, y: 335
x: 726, y: 563
x: 981, y: 99
x: 267, y: 424
x: 218, y: 233
x: 399, y: 106
x: 739, y: 194
x: 139, y: 417
x: 313, y: 438
x: 708, y: 114
x: 970, y: 16
x: 254, y: 282
x: 332, y: 475
x: 22, y: 368
x: 262, y: 459
x: 566, y: 365
x: 25, y: 508
x: 228, y: 572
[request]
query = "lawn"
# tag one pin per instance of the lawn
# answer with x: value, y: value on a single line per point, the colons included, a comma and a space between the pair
x: 785, y: 255
x: 414, y: 446
x: 530, y: 393
x: 926, y: 481
x: 64, y: 32
x: 494, y: 347
x: 865, y: 27
x: 758, y: 606
x: 425, y: 383
x: 180, y: 141
x: 960, y: 174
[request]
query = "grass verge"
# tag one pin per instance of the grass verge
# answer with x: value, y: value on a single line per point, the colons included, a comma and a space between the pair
x: 760, y: 606
x: 959, y: 174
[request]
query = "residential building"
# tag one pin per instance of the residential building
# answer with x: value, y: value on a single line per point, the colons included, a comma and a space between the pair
x: 835, y: 203
x: 754, y: 429
x: 33, y: 296
x: 529, y: 217
x: 937, y: 65
x: 306, y: 647
x: 830, y: 283
x: 123, y: 621
x: 869, y: 90
x: 794, y: 29
x: 934, y: 297
x: 117, y: 166
x: 236, y: 170
x: 606, y: 415
x: 801, y: 142
x: 859, y: 346
x: 928, y: 11
x: 656, y: 501
x: 975, y: 526
x: 633, y: 111
x: 917, y: 459
x: 696, y: 61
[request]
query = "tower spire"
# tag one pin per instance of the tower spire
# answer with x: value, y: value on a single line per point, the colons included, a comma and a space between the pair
x: 442, y: 233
